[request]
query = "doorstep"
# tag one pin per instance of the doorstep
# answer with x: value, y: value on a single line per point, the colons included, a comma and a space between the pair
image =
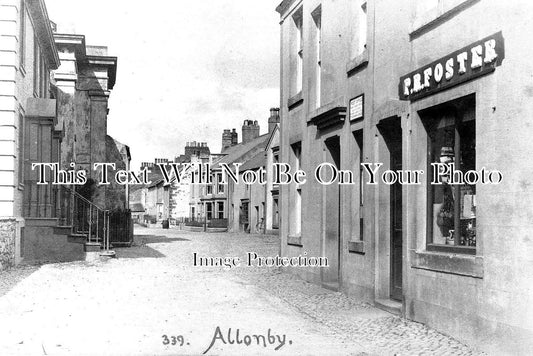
x: 389, y: 305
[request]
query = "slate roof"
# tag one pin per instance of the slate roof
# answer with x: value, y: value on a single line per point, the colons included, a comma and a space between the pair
x: 257, y: 161
x: 237, y: 153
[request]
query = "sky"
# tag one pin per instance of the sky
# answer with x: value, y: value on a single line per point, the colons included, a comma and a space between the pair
x: 186, y: 70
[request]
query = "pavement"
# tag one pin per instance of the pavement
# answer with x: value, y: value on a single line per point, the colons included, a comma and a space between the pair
x: 151, y: 300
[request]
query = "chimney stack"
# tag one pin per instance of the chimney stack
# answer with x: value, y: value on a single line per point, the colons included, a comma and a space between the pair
x: 229, y: 139
x: 273, y: 119
x: 250, y: 130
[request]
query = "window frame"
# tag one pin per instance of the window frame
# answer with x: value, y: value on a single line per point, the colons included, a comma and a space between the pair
x: 299, y: 49
x: 430, y: 245
x: 36, y: 68
x: 317, y: 18
x: 21, y: 150
x: 22, y: 35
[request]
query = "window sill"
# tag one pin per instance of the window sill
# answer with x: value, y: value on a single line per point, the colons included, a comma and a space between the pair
x: 294, y: 240
x: 356, y: 247
x: 357, y: 63
x: 425, y: 22
x: 446, y: 262
x: 295, y: 100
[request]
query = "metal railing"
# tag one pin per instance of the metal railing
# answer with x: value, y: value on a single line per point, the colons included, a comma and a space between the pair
x: 83, y: 216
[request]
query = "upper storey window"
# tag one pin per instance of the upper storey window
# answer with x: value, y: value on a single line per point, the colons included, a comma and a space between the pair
x: 362, y: 28
x: 299, y: 47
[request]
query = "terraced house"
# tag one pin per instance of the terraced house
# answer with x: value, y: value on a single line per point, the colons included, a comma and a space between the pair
x: 412, y: 84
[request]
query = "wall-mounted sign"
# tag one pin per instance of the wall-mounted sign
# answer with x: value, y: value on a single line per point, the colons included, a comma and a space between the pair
x: 470, y: 62
x: 357, y: 107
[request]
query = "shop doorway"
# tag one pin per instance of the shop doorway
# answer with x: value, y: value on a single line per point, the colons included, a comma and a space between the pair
x: 392, y: 134
x: 330, y: 277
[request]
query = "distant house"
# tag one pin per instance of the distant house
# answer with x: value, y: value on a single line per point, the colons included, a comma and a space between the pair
x: 157, y: 202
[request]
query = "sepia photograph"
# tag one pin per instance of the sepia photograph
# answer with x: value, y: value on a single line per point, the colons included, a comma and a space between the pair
x: 266, y: 177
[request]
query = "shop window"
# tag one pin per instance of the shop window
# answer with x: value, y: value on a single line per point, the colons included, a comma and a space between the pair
x: 451, y: 207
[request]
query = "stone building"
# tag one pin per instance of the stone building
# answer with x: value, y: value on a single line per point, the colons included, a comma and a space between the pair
x: 84, y: 81
x: 410, y: 84
x: 58, y: 118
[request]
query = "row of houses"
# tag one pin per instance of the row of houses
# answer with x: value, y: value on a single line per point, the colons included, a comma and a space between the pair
x: 408, y: 84
x: 220, y: 206
x: 54, y: 92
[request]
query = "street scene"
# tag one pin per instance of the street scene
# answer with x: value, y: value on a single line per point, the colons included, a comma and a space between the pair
x: 293, y: 177
x: 125, y: 306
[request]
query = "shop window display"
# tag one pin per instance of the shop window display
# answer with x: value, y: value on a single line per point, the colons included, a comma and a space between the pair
x: 452, y: 207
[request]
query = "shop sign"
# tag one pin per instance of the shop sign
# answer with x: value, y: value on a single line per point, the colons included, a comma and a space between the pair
x: 480, y: 58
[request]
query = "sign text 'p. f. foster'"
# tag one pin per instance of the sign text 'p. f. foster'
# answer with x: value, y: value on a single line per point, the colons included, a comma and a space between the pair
x: 470, y: 62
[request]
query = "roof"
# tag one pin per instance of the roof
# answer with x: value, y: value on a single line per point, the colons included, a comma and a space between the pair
x: 238, y: 153
x: 255, y: 162
x: 155, y: 183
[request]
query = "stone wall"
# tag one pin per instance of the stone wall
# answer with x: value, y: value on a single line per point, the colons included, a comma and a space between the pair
x: 7, y: 243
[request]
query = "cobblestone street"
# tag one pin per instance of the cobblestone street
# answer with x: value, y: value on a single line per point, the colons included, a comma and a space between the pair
x: 135, y: 305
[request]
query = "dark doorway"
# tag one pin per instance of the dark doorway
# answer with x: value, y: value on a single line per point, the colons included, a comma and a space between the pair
x: 332, y: 223
x: 392, y: 133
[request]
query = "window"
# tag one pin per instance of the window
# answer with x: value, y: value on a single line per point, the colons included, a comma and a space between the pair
x: 36, y: 67
x: 21, y: 150
x: 209, y: 210
x: 220, y: 186
x: 362, y: 32
x: 299, y: 43
x: 43, y: 77
x: 22, y: 35
x: 275, y: 214
x: 317, y: 18
x: 220, y: 210
x: 209, y: 189
x: 451, y: 207
x: 296, y: 218
x: 358, y: 137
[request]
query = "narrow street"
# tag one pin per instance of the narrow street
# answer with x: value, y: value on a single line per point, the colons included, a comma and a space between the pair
x: 151, y: 300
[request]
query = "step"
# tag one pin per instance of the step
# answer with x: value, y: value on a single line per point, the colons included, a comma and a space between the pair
x: 63, y: 230
x: 92, y: 247
x: 333, y: 286
x: 389, y: 305
x: 77, y: 238
x: 48, y: 222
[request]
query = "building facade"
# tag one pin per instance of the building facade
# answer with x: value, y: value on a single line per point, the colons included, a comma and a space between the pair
x: 27, y: 116
x: 411, y: 85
